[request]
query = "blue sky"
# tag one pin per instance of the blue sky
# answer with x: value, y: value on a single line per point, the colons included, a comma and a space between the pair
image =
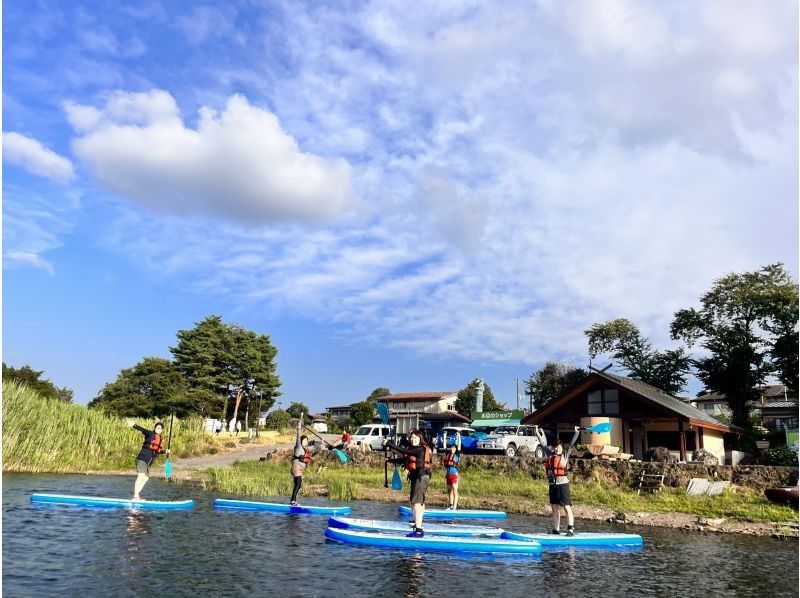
x: 401, y: 195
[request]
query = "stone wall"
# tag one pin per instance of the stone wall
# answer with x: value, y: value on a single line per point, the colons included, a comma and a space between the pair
x: 622, y: 473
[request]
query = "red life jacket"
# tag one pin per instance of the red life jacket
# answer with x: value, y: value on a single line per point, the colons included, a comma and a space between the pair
x: 556, y: 464
x: 154, y: 444
x: 449, y: 459
x: 306, y: 458
x: 411, y: 461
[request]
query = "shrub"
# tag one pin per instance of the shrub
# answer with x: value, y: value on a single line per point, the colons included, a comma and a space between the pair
x: 783, y: 455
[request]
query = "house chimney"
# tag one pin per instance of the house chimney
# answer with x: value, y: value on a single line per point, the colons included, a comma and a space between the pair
x: 478, y: 395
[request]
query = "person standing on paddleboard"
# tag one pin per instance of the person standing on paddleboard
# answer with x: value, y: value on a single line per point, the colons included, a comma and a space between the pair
x: 450, y: 460
x: 556, y: 468
x: 301, y: 457
x: 151, y: 448
x: 418, y: 464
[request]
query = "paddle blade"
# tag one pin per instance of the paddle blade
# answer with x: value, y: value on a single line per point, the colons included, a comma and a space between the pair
x: 383, y: 411
x: 168, y: 468
x: 600, y: 428
x: 397, y: 483
x: 342, y: 457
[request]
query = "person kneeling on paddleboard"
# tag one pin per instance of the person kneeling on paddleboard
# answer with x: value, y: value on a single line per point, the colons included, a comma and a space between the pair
x: 450, y: 460
x: 150, y: 450
x: 556, y: 468
x: 300, y: 459
x: 418, y: 464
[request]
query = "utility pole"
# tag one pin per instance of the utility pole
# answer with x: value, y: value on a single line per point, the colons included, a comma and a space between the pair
x: 517, y: 381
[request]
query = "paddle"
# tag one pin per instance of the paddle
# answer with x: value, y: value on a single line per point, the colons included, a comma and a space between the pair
x: 383, y: 412
x: 168, y: 463
x: 397, y: 483
x: 598, y: 428
x: 342, y: 457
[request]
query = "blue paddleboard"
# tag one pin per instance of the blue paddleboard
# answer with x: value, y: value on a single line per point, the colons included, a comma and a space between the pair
x: 594, y: 539
x: 96, y: 501
x: 277, y: 507
x: 459, y: 514
x: 438, y: 543
x: 402, y: 527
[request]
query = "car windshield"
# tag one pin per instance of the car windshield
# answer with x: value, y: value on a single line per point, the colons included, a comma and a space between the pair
x: 506, y: 430
x: 363, y: 431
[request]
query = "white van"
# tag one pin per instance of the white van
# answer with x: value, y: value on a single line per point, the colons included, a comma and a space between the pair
x: 371, y: 436
x: 320, y: 425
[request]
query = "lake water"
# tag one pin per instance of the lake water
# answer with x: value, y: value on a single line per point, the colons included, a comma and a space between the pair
x: 69, y: 551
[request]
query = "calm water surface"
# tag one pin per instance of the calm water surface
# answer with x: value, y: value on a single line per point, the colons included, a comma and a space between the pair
x: 68, y: 551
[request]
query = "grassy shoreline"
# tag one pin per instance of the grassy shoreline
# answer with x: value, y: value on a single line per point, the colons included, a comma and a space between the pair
x: 514, y: 493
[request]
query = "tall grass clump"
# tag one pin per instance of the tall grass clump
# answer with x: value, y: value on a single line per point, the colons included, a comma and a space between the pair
x: 47, y: 435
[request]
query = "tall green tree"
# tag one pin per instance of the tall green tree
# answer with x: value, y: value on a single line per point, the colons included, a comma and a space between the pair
x: 295, y: 410
x: 33, y: 380
x: 744, y: 325
x: 467, y: 399
x: 551, y: 380
x: 376, y: 395
x: 362, y: 412
x: 667, y: 370
x: 215, y: 356
x: 151, y: 388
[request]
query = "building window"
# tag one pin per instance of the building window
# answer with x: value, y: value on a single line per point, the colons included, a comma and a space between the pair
x: 603, y: 402
x: 595, y: 406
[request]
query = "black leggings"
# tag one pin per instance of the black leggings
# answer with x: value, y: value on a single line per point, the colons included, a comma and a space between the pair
x: 298, y: 481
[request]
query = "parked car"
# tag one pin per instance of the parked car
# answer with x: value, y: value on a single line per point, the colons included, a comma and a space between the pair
x: 371, y: 435
x: 469, y: 438
x: 511, y: 440
x: 320, y: 425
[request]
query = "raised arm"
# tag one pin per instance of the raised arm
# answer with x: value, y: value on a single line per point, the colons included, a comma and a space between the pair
x: 298, y: 445
x: 568, y: 448
x: 540, y: 436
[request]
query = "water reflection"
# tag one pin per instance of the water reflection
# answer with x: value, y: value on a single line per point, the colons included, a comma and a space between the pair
x: 410, y: 569
x: 75, y: 551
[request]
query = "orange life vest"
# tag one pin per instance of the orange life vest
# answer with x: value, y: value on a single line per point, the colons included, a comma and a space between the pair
x: 411, y: 461
x: 154, y: 444
x: 306, y: 458
x: 556, y: 464
x: 449, y: 459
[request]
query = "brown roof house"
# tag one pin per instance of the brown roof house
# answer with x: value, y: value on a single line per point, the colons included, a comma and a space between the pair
x: 642, y: 416
x: 433, y: 406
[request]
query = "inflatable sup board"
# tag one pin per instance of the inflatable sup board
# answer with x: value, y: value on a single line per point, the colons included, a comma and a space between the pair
x: 597, y: 539
x: 276, y: 507
x: 437, y: 543
x: 96, y: 501
x: 402, y: 527
x: 459, y: 514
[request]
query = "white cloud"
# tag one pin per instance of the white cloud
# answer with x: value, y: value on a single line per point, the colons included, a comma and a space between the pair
x: 529, y: 170
x: 32, y: 260
x: 237, y: 164
x: 30, y: 154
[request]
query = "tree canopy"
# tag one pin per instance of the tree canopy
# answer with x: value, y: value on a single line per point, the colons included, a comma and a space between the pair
x: 377, y: 394
x: 362, y: 412
x: 33, y: 379
x: 747, y: 324
x: 214, y: 356
x: 151, y: 388
x: 667, y: 370
x: 213, y: 363
x: 295, y: 410
x: 550, y: 381
x: 467, y: 399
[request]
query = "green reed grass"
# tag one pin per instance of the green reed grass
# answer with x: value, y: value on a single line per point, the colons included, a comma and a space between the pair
x: 46, y: 435
x: 482, y: 488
